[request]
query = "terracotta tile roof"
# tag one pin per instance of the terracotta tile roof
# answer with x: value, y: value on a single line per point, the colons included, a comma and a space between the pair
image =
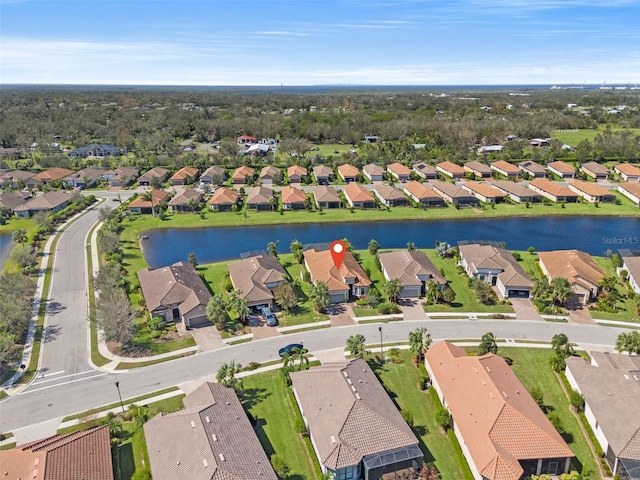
x: 373, y: 170
x: 293, y: 195
x: 252, y: 275
x: 185, y: 172
x: 611, y: 387
x: 178, y: 284
x: 55, y: 173
x: 347, y: 170
x: 182, y: 198
x: 156, y: 195
x: 47, y: 201
x: 243, y: 172
x: 424, y: 168
x: 561, y: 167
x: 631, y: 187
x: 591, y: 189
x: 505, y: 167
x: 90, y: 173
x: 322, y: 269
x: 155, y: 172
x: 479, y: 256
x: 552, y: 188
x: 478, y: 167
x: 85, y: 455
x: 349, y: 413
x: 595, y: 168
x: 296, y: 170
x: 398, y: 169
x: 517, y: 189
x: 451, y: 168
x: 269, y: 172
x: 419, y: 190
x: 357, y: 193
x: 325, y: 193
x: 574, y: 265
x: 126, y: 172
x: 483, y: 189
x: 451, y: 190
x: 628, y: 169
x: 211, y: 439
x: 259, y: 195
x: 389, y: 193
x: 532, y: 167
x: 224, y: 195
x: 503, y: 424
x: 408, y: 266
x: 322, y: 171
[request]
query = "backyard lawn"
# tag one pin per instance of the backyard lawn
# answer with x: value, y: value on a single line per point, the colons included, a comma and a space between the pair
x: 573, y: 138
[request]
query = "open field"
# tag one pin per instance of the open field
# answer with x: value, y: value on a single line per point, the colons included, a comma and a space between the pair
x: 574, y: 137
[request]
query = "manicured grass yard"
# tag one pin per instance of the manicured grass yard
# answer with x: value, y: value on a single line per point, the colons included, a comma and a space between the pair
x: 330, y: 150
x: 627, y: 311
x: 573, y: 138
x: 304, y: 312
x: 267, y: 398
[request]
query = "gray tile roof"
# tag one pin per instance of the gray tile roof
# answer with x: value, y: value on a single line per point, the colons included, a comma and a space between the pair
x: 252, y: 274
x: 408, y: 266
x: 490, y: 257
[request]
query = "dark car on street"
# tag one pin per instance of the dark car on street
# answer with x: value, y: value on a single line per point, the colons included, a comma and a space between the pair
x: 289, y: 348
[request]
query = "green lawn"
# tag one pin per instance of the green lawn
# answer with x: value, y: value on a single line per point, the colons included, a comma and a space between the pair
x: 304, y: 312
x: 330, y: 150
x: 27, y: 224
x: 627, y: 311
x: 400, y: 380
x: 573, y: 138
x: 267, y: 399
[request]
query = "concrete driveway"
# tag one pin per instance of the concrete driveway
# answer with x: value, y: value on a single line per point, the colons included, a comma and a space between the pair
x: 525, y: 309
x: 412, y: 309
x: 340, y: 314
x: 207, y: 338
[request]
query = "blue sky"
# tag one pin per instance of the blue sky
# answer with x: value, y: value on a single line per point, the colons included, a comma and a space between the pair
x: 308, y: 42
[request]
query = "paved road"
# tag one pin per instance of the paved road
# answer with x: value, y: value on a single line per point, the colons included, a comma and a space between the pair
x: 54, y: 400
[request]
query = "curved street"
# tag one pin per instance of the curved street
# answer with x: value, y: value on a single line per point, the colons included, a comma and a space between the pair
x: 69, y: 385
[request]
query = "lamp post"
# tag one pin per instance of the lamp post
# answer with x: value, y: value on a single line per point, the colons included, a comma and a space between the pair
x: 120, y: 396
x: 381, y: 351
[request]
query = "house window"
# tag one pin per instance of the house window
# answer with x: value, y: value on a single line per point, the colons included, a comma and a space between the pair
x: 346, y: 473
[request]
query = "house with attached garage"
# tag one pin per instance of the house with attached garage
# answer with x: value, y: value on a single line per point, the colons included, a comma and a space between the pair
x: 257, y: 277
x: 414, y: 269
x: 553, y: 191
x: 293, y: 198
x: 533, y: 169
x: 213, y: 175
x: 455, y: 195
x: 344, y: 283
x: 348, y: 173
x: 123, y: 176
x: 495, y: 265
x: 503, y: 433
x: 422, y: 194
x: 399, y: 172
x: 561, y: 169
x: 86, y: 178
x: 326, y: 197
x: 595, y: 170
x: 375, y: 173
x: 479, y: 170
x: 323, y: 174
x: 11, y: 200
x: 355, y: 428
x: 223, y: 199
x: 50, y: 202
x: 141, y: 205
x: 390, y: 196
x: 628, y: 172
x: 358, y: 197
x: 518, y: 192
x: 631, y: 263
x: 210, y: 439
x: 186, y: 201
x: 450, y: 169
x: 241, y: 174
x: 583, y: 273
x: 15, y: 178
x: 261, y: 199
x: 631, y: 190
x: 425, y: 171
x: 184, y: 176
x: 506, y: 169
x: 270, y: 175
x: 155, y: 173
x: 296, y: 173
x: 48, y: 176
x: 591, y: 192
x: 485, y: 192
x: 96, y: 150
x: 610, y: 385
x: 175, y: 293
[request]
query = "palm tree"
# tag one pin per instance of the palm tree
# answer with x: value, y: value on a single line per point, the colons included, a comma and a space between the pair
x: 488, y: 344
x: 296, y: 355
x: 239, y: 305
x: 226, y: 375
x: 216, y: 311
x: 561, y: 290
x: 320, y: 296
x: 629, y: 342
x: 419, y: 342
x: 272, y: 248
x: 19, y: 236
x: 356, y: 345
x: 148, y: 196
x: 561, y: 344
x: 392, y: 289
x: 434, y: 294
x: 374, y: 246
x: 541, y: 288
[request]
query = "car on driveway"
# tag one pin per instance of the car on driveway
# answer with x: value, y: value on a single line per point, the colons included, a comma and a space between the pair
x: 289, y: 348
x: 269, y: 317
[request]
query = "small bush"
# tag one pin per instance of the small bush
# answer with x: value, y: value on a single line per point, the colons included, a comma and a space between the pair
x: 388, y: 308
x: 408, y: 417
x: 443, y: 417
x: 299, y: 426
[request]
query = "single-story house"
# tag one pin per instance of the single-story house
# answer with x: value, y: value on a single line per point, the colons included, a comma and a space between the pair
x: 123, y: 176
x: 561, y: 169
x: 375, y: 173
x: 422, y: 194
x: 50, y: 202
x: 322, y: 174
x: 628, y: 172
x: 478, y: 169
x: 296, y: 173
x: 495, y: 265
x: 578, y: 267
x: 595, y: 170
x: 326, y: 197
x: 96, y: 150
x: 503, y: 433
x: 505, y: 169
x: 48, y: 176
x: 489, y: 149
x: 258, y: 149
x: 257, y: 278
x: 485, y: 192
x: 142, y: 205
x: 535, y: 170
x: 355, y: 428
x: 212, y: 438
x: 86, y: 178
x: 293, y: 198
x: 631, y: 263
x: 213, y: 175
x: 414, y: 269
x: 358, y: 197
x: 518, y: 192
x: 399, y: 172
x: 261, y: 198
x: 345, y: 283
x: 390, y: 196
x: 425, y: 171
x: 175, y: 293
x: 348, y: 173
x: 540, y: 142
x: 454, y: 194
x: 10, y: 153
x: 185, y: 201
x: 240, y: 175
x: 591, y: 192
x: 184, y: 176
x: 450, y: 169
x: 553, y: 191
x: 631, y: 190
x: 14, y: 178
x: 610, y: 386
x: 270, y: 175
x: 246, y: 140
x: 11, y: 200
x: 156, y: 172
x: 223, y: 199
x: 370, y: 138
x: 81, y: 455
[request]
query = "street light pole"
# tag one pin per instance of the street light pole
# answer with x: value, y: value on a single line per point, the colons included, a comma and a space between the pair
x: 381, y: 351
x: 120, y: 396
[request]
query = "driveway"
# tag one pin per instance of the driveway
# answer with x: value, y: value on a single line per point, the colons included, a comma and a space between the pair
x: 412, y: 309
x: 579, y: 314
x: 207, y: 338
x: 340, y: 314
x: 525, y: 309
x: 259, y: 327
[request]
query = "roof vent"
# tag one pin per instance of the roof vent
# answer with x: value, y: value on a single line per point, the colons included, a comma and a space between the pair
x: 228, y: 403
x: 193, y: 424
x: 626, y: 376
x: 333, y: 439
x: 353, y: 388
x: 214, y: 437
x: 488, y: 369
x: 178, y: 462
x: 221, y: 455
x: 205, y: 463
x: 504, y: 394
x: 207, y: 419
x: 357, y: 396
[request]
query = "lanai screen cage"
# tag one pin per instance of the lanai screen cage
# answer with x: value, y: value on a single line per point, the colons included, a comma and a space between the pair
x: 378, y: 464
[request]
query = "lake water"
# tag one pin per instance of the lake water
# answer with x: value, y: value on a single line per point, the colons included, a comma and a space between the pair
x: 5, y: 248
x: 595, y: 235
